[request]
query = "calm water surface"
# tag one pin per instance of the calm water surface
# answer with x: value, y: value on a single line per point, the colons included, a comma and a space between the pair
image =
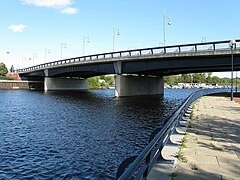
x: 77, y: 135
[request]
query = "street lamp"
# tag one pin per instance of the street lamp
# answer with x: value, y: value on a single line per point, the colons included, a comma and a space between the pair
x: 236, y: 82
x: 85, y: 39
x: 34, y: 56
x: 232, y: 43
x: 47, y: 51
x: 115, y: 33
x: 165, y: 19
x: 63, y: 46
x: 204, y: 39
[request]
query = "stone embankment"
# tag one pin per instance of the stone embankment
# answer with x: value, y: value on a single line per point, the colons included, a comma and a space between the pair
x: 14, y: 84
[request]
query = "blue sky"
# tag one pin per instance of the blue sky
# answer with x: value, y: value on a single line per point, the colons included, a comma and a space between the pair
x: 28, y: 27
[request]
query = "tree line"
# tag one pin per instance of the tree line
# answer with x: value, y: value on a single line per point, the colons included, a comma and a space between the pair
x: 198, y: 78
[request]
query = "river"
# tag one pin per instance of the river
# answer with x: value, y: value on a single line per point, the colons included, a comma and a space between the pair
x: 76, y: 135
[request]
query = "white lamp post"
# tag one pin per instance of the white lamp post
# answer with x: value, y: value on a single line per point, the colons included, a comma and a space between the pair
x: 115, y: 33
x: 85, y: 39
x: 63, y: 46
x: 236, y: 82
x: 34, y: 56
x: 232, y: 43
x: 168, y: 21
x: 47, y: 51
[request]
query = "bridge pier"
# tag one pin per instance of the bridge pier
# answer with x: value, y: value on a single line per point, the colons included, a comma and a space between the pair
x: 58, y: 84
x: 138, y: 85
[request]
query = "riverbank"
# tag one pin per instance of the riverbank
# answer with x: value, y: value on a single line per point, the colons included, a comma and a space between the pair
x: 211, y: 148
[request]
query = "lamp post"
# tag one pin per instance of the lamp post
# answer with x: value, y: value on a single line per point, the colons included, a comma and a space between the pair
x: 34, y: 56
x: 47, y: 51
x: 63, y: 46
x: 232, y: 43
x: 165, y: 19
x: 115, y: 33
x: 236, y: 82
x: 85, y: 39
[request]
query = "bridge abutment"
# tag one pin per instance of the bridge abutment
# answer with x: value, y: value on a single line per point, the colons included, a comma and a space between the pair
x: 58, y: 84
x: 138, y: 85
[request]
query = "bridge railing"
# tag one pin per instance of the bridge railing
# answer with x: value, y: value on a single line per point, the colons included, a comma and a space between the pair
x: 206, y: 46
x: 138, y: 167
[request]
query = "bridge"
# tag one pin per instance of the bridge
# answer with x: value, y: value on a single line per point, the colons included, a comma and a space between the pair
x: 138, y: 71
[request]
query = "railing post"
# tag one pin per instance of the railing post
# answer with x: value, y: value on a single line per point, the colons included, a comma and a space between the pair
x: 179, y: 48
x: 214, y: 46
x: 195, y: 47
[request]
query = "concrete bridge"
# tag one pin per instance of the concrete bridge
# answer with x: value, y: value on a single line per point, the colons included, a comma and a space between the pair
x: 139, y: 71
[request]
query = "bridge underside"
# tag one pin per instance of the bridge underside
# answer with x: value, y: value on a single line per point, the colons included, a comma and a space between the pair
x: 148, y: 66
x: 154, y: 67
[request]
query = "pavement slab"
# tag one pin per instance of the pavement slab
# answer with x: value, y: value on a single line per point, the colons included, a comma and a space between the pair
x: 213, y: 143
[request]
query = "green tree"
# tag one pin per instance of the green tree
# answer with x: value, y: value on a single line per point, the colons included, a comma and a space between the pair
x: 93, y: 82
x: 3, y: 69
x: 186, y: 78
x: 171, y: 80
x: 216, y: 80
x: 209, y: 79
x: 199, y: 78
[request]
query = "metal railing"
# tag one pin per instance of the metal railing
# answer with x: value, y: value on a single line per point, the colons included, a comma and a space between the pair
x: 207, y: 46
x: 138, y: 167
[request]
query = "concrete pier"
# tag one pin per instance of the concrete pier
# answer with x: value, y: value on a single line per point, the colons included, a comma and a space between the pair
x: 55, y: 84
x: 138, y: 85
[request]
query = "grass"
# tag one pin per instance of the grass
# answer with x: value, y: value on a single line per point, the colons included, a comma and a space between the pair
x: 180, y: 156
x: 184, y: 141
x: 173, y: 175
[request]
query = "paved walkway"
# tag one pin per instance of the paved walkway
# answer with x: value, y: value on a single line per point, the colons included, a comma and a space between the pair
x: 213, y: 144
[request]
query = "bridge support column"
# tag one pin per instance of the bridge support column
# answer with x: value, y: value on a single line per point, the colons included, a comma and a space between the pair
x: 58, y: 84
x: 138, y: 85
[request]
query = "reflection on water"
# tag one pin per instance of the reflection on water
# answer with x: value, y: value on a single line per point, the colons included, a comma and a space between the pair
x: 81, y: 135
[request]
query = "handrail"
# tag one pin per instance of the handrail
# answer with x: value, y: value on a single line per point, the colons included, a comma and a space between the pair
x: 140, y: 167
x: 131, y: 53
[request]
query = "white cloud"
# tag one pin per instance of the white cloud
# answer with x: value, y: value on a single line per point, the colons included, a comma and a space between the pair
x: 62, y: 5
x: 17, y: 27
x: 49, y: 3
x: 69, y: 10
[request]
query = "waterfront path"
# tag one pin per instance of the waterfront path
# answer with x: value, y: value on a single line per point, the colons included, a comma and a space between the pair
x: 213, y: 143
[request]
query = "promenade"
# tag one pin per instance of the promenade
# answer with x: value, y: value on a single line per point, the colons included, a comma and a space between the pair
x: 212, y: 147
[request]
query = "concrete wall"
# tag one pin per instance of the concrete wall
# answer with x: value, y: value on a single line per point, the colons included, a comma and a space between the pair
x: 54, y: 84
x: 13, y: 84
x: 138, y: 85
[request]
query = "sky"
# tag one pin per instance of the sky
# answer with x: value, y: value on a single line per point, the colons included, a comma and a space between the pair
x: 39, y: 31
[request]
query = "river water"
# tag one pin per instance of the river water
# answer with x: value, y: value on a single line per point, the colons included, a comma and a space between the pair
x: 76, y: 135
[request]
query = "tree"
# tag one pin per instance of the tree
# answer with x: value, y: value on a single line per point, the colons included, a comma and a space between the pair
x: 186, y: 78
x: 3, y: 69
x: 209, y: 79
x: 216, y: 80
x: 93, y: 82
x: 199, y: 78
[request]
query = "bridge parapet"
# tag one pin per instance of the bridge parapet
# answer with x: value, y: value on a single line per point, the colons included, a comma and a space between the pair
x: 175, y: 49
